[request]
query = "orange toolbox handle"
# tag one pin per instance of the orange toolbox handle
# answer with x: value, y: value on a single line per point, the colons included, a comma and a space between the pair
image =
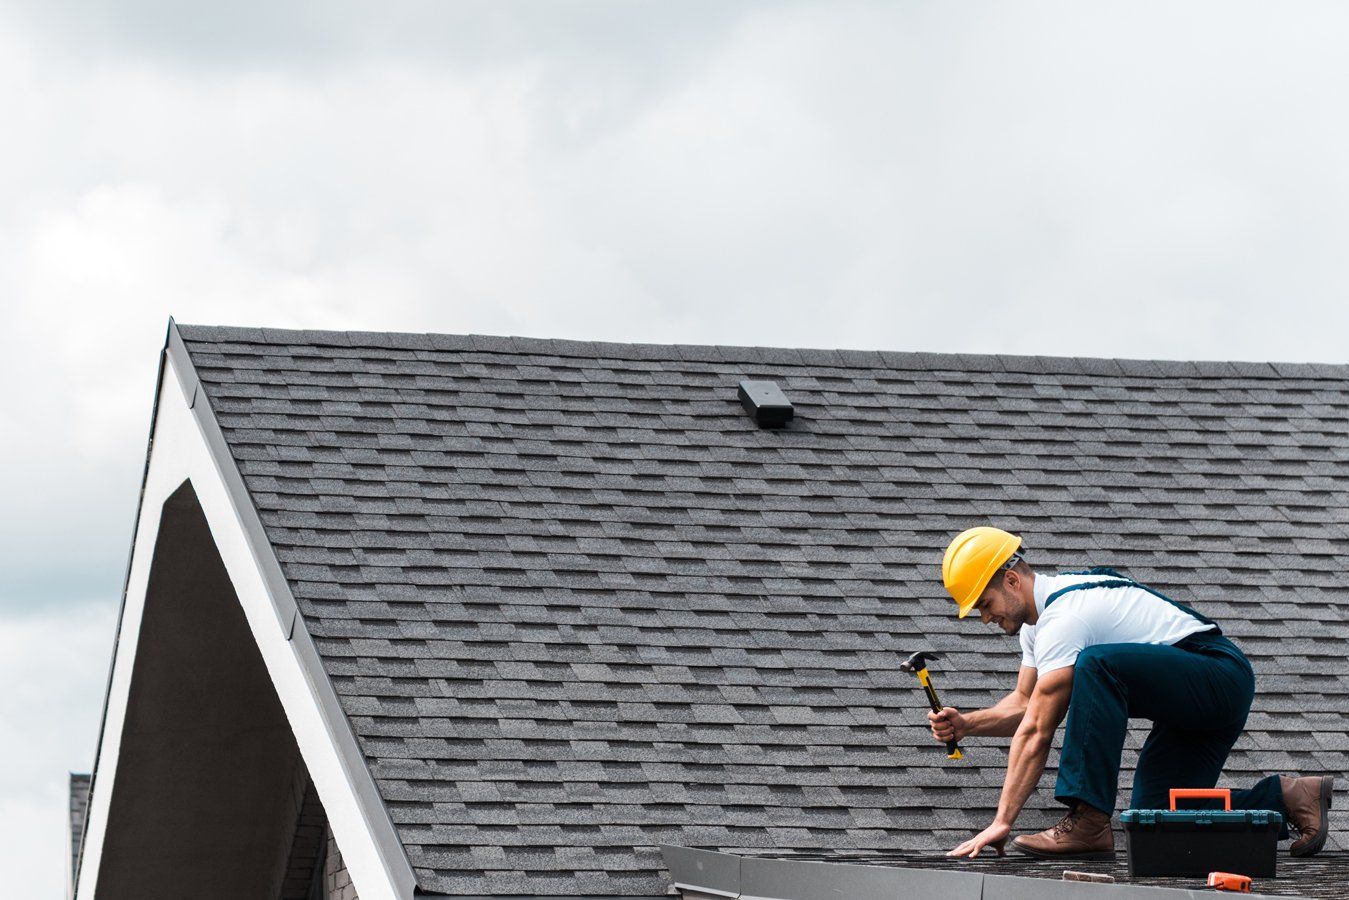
x: 1226, y: 881
x: 1223, y: 794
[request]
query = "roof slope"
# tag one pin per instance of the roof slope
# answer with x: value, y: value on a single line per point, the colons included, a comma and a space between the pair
x: 574, y: 602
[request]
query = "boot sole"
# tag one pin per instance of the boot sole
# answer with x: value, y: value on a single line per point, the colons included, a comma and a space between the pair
x: 1327, y: 787
x: 1095, y: 855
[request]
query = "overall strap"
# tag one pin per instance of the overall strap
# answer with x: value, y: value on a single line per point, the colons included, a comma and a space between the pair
x: 1116, y: 580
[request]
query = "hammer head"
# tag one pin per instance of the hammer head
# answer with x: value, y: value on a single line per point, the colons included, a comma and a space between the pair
x: 918, y: 661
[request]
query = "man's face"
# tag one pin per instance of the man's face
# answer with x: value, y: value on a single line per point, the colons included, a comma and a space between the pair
x: 1000, y: 604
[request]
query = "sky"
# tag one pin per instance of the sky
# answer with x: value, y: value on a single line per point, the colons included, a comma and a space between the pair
x: 1125, y: 179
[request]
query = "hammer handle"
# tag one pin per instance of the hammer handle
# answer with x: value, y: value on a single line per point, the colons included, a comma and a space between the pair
x: 953, y: 750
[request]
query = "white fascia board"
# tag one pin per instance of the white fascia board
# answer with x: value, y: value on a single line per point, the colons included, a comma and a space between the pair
x: 182, y: 439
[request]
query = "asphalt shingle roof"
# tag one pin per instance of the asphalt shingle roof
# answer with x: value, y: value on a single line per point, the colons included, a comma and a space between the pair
x: 575, y: 603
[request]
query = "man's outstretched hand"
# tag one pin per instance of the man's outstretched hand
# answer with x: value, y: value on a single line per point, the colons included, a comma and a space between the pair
x: 994, y: 836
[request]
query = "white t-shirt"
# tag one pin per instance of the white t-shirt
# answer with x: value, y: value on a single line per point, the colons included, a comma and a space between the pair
x: 1089, y: 616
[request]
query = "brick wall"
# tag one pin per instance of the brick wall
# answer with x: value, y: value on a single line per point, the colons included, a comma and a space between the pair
x: 336, y: 879
x: 307, y: 844
x: 303, y: 877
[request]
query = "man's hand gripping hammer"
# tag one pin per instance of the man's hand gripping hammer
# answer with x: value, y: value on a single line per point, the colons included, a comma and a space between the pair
x: 917, y: 663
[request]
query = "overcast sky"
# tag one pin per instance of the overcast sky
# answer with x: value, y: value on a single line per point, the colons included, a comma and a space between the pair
x: 1113, y: 179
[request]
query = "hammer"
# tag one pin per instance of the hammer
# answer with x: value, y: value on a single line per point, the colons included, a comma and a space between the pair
x: 917, y: 663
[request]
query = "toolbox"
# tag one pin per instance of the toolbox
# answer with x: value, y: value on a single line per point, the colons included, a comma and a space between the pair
x: 1198, y: 841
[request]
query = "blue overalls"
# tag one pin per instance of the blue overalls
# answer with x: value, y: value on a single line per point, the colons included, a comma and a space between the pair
x: 1197, y: 693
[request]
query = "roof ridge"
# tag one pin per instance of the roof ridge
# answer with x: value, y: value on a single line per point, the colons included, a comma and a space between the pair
x: 718, y: 353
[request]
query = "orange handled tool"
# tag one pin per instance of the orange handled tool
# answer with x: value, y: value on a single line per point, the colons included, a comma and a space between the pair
x: 1226, y: 881
x: 1223, y: 794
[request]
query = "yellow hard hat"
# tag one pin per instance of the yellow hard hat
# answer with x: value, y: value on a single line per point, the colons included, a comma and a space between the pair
x: 970, y: 561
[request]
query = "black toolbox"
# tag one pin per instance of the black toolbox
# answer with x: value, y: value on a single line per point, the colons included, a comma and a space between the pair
x: 1198, y: 841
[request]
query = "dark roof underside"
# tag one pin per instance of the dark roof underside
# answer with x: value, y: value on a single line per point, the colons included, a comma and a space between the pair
x: 575, y: 602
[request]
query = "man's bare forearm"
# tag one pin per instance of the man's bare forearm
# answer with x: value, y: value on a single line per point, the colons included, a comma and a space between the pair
x: 1030, y: 745
x: 999, y: 720
x: 1025, y: 764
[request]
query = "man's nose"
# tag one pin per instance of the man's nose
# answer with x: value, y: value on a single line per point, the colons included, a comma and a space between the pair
x: 984, y: 615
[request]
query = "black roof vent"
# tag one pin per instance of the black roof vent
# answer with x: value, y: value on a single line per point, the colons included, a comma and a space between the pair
x: 766, y: 403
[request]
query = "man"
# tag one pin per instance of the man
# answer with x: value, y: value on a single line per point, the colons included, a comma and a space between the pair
x: 1102, y: 649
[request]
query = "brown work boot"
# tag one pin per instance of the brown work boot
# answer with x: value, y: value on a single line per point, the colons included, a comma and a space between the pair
x: 1084, y: 833
x: 1307, y: 800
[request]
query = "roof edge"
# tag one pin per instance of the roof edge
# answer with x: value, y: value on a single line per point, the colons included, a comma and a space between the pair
x: 717, y: 874
x: 126, y: 586
x: 384, y: 831
x: 778, y: 356
x: 287, y: 611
